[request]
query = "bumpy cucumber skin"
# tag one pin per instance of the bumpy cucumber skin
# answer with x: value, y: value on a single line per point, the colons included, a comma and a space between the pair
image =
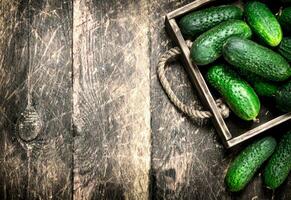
x: 208, y: 46
x: 200, y: 21
x: 285, y: 47
x: 283, y: 97
x: 261, y: 86
x: 238, y: 94
x: 245, y: 165
x: 279, y: 165
x: 284, y: 19
x: 263, y: 22
x: 249, y: 56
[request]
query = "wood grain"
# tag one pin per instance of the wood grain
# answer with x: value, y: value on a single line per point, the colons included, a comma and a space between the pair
x: 39, y: 48
x: 111, y: 100
x: 50, y: 55
x: 13, y: 68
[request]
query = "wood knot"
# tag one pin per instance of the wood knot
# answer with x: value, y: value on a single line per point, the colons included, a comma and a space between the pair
x: 29, y: 124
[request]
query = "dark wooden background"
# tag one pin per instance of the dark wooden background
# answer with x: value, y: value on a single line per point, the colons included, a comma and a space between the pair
x: 109, y: 131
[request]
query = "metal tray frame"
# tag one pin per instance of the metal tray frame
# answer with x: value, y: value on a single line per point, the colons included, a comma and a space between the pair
x: 197, y: 79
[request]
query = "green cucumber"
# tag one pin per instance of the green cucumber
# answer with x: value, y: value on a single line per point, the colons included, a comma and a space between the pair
x: 260, y: 85
x: 238, y: 94
x: 285, y: 47
x: 200, y: 21
x: 263, y: 22
x: 249, y: 56
x: 283, y: 97
x: 279, y: 165
x: 208, y: 46
x: 245, y: 165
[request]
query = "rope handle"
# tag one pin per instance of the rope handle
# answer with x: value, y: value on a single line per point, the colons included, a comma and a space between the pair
x: 169, y: 56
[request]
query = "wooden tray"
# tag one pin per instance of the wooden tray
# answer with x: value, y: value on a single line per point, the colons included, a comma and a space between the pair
x: 232, y: 131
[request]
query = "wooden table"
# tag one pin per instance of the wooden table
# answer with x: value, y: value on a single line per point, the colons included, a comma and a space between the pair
x: 108, y: 129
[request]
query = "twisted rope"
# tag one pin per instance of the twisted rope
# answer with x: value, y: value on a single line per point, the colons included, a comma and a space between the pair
x: 165, y: 59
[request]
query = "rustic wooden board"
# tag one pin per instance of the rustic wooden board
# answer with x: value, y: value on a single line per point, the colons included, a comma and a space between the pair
x: 111, y: 100
x: 13, y: 67
x: 39, y: 47
x: 50, y: 57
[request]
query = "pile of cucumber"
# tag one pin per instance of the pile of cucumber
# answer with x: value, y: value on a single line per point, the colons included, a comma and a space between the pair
x: 255, y: 53
x: 247, y: 54
x: 247, y: 163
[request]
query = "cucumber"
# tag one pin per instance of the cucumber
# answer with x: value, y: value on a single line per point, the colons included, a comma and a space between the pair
x: 238, y: 94
x: 263, y: 22
x: 200, y: 21
x: 285, y: 19
x: 208, y: 46
x: 249, y: 56
x: 279, y: 165
x: 283, y: 97
x: 260, y: 85
x: 245, y: 165
x: 285, y: 47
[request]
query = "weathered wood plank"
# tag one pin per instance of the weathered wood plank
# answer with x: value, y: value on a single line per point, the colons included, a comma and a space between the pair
x: 184, y: 154
x: 111, y: 100
x: 37, y: 61
x: 188, y: 160
x: 50, y: 56
x: 13, y: 67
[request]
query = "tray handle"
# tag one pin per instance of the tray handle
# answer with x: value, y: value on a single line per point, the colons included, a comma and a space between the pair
x: 164, y: 61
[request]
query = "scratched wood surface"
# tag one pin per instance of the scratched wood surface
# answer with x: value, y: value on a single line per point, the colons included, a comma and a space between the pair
x: 111, y: 100
x: 13, y: 70
x: 50, y: 62
x: 108, y: 129
x: 36, y: 44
